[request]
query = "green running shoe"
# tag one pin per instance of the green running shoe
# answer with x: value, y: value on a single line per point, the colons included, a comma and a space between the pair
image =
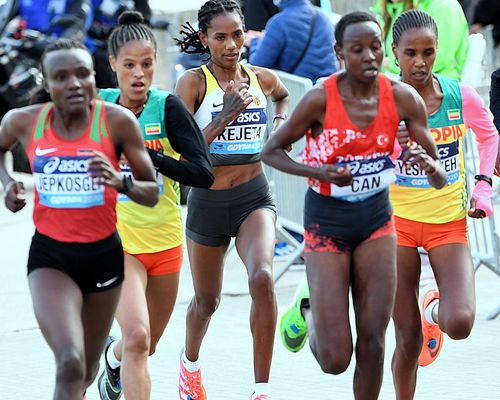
x: 293, y: 327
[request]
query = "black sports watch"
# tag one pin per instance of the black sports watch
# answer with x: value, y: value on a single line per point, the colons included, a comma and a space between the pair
x: 484, y: 178
x: 127, y: 184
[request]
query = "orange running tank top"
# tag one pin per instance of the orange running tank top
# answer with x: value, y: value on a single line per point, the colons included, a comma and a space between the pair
x: 366, y: 150
x: 69, y: 205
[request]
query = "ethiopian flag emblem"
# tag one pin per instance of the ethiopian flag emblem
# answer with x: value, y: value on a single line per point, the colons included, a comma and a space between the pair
x: 454, y: 114
x: 153, y: 129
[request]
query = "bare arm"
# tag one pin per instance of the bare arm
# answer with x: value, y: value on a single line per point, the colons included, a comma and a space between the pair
x: 274, y: 88
x: 411, y: 109
x: 126, y: 134
x: 14, y: 128
x: 308, y: 114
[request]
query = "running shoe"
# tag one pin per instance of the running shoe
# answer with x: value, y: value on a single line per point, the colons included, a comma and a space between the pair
x: 190, y: 385
x: 433, y: 336
x: 260, y: 397
x: 109, y: 384
x: 293, y: 327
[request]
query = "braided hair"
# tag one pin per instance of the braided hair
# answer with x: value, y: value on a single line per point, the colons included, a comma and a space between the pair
x: 407, y: 5
x: 130, y: 27
x: 412, y: 19
x: 349, y: 19
x: 41, y: 95
x: 191, y: 43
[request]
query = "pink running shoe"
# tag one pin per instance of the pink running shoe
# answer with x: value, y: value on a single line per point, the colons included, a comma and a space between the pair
x: 190, y: 385
x: 260, y: 397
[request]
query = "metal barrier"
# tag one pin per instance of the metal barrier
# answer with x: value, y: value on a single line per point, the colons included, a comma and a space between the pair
x: 482, y: 234
x: 289, y: 190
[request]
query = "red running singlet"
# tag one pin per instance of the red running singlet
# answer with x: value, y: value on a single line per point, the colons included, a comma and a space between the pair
x: 70, y: 206
x: 366, y: 150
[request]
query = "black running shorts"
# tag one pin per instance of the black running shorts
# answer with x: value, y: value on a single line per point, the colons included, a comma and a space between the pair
x: 94, y: 267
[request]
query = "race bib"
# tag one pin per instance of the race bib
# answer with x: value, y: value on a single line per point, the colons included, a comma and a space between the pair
x: 242, y: 136
x: 63, y: 182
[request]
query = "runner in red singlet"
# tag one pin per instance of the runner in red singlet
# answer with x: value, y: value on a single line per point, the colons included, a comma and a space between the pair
x: 75, y: 265
x: 351, y: 122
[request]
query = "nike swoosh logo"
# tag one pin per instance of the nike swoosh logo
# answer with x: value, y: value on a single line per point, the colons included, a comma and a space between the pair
x: 217, y: 105
x: 107, y: 283
x: 42, y: 152
x: 294, y: 342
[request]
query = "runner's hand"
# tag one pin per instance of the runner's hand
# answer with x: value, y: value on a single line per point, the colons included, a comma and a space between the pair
x: 100, y: 168
x: 473, y: 211
x: 416, y: 155
x: 236, y: 99
x: 338, y: 175
x: 15, y: 196
x: 403, y: 136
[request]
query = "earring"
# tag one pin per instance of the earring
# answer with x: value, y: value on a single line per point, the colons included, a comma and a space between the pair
x: 396, y: 62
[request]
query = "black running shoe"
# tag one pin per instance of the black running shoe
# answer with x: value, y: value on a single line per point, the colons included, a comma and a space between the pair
x: 110, y: 387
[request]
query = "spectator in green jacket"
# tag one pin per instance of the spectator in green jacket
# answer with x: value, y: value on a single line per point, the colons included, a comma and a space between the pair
x: 452, y: 28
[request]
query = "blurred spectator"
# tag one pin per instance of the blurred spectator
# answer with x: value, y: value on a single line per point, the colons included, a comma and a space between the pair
x: 298, y: 40
x: 468, y: 7
x: 257, y: 13
x: 487, y: 12
x: 452, y: 32
x: 105, y: 17
x: 55, y: 18
x: 495, y: 97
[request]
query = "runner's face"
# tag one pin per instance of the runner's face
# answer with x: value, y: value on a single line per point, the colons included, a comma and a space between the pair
x: 362, y: 50
x: 69, y: 79
x: 134, y: 66
x: 416, y: 53
x: 225, y: 39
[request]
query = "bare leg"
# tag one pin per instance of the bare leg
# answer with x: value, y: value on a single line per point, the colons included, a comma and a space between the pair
x: 454, y: 272
x: 255, y: 245
x: 206, y: 269
x: 328, y: 327
x: 133, y: 316
x: 407, y: 323
x: 373, y: 292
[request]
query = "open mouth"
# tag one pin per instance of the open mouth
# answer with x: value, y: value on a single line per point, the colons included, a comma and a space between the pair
x: 75, y: 98
x: 138, y: 85
x: 419, y: 75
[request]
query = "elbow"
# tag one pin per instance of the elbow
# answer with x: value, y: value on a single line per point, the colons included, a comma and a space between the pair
x: 205, y: 180
x: 153, y: 198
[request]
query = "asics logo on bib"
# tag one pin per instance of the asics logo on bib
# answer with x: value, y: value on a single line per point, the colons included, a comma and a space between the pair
x: 360, y: 168
x: 56, y: 164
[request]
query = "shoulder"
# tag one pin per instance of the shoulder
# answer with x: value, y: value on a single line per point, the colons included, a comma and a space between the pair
x: 266, y: 77
x: 24, y: 116
x: 118, y: 115
x: 194, y: 76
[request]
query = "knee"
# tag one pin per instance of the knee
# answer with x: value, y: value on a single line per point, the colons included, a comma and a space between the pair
x: 137, y: 340
x: 71, y: 367
x: 409, y: 341
x: 371, y: 348
x: 261, y: 284
x: 332, y: 361
x: 459, y: 325
x: 206, y: 305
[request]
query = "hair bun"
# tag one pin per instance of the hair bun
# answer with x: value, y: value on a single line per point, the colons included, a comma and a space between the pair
x: 130, y: 17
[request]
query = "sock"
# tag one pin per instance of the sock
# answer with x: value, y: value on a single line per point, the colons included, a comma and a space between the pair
x: 262, y: 388
x: 191, y: 366
x: 111, y: 358
x: 429, y: 311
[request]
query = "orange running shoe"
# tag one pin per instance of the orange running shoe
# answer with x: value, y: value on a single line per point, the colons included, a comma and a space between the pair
x: 190, y: 385
x: 433, y: 336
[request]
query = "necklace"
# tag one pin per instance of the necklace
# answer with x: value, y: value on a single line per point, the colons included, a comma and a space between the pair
x: 134, y: 109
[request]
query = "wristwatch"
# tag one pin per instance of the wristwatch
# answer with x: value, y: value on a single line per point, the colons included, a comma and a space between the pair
x: 484, y: 178
x: 127, y: 184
